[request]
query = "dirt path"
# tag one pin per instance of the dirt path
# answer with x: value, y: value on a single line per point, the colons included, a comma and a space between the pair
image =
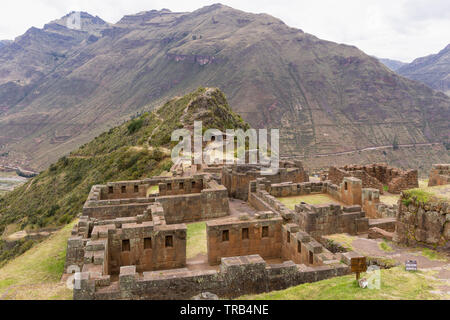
x: 362, y: 150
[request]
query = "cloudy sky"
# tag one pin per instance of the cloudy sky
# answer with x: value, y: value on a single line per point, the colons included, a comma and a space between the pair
x: 396, y: 29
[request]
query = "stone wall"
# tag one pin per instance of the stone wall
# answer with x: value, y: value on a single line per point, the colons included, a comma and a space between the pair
x: 260, y: 234
x: 376, y: 176
x: 439, y: 175
x: 301, y: 248
x: 144, y: 241
x: 320, y: 220
x: 186, y: 200
x: 375, y: 209
x: 237, y: 178
x: 237, y: 276
x: 179, y: 186
x: 419, y: 222
x: 208, y: 204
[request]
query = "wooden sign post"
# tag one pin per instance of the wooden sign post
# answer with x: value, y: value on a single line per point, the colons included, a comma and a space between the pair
x: 358, y: 265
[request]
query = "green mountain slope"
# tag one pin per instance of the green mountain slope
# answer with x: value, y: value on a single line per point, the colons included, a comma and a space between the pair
x: 325, y: 97
x: 136, y: 149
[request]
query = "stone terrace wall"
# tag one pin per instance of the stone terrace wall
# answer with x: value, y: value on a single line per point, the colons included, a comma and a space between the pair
x: 227, y: 238
x: 419, y: 222
x: 439, y: 175
x: 237, y: 276
x: 377, y: 175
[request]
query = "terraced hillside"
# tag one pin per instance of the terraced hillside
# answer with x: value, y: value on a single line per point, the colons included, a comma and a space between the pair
x: 325, y: 97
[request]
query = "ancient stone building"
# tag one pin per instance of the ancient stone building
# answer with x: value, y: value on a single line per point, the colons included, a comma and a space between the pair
x: 439, y: 175
x: 376, y: 176
x: 131, y: 240
x: 237, y: 178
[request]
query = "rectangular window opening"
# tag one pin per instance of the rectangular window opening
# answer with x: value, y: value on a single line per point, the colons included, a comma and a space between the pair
x: 125, y: 245
x: 147, y: 243
x: 169, y: 241
x: 225, y: 235
x: 245, y: 234
x: 265, y: 232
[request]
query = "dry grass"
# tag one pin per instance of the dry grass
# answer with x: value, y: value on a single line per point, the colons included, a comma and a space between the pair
x: 37, y: 273
x: 313, y: 199
x: 396, y: 284
x: 152, y: 190
x: 343, y: 239
x: 389, y: 199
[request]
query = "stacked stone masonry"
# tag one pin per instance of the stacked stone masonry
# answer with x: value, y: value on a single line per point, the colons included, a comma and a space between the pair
x: 377, y: 176
x: 426, y: 223
x: 130, y: 243
x: 439, y: 175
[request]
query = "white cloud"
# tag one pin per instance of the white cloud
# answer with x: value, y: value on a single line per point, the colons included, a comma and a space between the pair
x: 396, y: 29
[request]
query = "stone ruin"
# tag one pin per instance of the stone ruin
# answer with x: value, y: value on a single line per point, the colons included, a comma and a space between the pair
x: 439, y: 175
x: 376, y: 176
x: 236, y: 178
x: 131, y: 240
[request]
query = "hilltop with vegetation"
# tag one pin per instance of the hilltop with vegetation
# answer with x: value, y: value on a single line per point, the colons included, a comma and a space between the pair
x: 137, y: 149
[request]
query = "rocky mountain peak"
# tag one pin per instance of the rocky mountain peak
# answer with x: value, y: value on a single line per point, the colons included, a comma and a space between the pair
x: 82, y: 21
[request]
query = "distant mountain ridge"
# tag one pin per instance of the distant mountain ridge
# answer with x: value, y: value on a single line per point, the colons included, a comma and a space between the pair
x: 4, y: 43
x: 60, y: 87
x: 433, y: 70
x: 394, y: 65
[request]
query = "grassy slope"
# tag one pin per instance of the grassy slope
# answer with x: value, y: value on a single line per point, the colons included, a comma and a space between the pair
x: 395, y: 284
x: 56, y: 196
x: 36, y: 274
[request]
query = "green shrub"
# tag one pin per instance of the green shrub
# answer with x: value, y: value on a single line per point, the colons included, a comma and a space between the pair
x: 135, y: 125
x: 421, y: 195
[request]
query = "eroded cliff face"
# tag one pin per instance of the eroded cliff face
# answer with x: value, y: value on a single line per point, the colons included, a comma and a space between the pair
x: 324, y: 97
